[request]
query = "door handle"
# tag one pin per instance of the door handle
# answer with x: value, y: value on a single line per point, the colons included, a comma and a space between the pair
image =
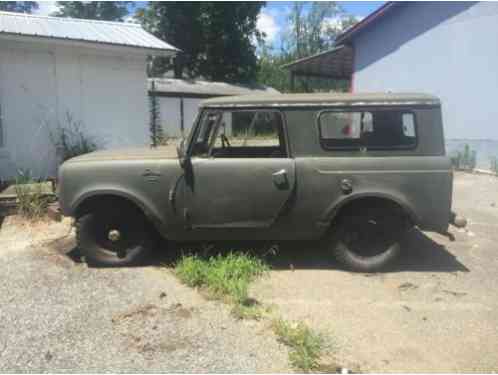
x: 280, y: 179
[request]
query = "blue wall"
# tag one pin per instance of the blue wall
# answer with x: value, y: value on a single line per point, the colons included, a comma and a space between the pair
x: 449, y: 49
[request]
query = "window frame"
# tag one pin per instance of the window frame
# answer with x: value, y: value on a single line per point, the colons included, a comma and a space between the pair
x: 362, y: 146
x: 221, y: 110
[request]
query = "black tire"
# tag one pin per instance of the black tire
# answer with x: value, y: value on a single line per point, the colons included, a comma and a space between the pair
x: 133, y: 247
x: 368, y: 240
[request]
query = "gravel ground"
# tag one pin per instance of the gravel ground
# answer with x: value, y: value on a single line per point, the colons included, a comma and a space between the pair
x: 436, y: 311
x: 57, y: 315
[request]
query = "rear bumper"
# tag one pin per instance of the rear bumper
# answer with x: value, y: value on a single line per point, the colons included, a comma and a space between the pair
x: 457, y: 221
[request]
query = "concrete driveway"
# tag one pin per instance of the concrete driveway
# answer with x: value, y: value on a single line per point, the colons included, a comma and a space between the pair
x: 437, y: 310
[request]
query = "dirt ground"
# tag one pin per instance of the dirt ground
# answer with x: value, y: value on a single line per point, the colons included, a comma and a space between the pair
x: 435, y: 311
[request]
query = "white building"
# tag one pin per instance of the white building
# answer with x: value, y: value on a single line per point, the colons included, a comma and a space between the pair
x: 50, y: 67
x: 179, y: 99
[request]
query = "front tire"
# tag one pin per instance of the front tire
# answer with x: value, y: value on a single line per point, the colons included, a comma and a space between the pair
x: 368, y: 241
x: 114, y: 237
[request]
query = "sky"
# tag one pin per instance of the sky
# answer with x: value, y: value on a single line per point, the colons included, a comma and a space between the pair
x: 272, y: 19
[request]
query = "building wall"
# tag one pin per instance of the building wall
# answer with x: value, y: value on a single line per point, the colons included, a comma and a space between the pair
x: 41, y: 84
x: 170, y: 114
x: 448, y: 49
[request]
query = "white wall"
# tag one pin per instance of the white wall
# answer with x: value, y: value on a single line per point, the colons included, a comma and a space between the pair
x: 448, y: 49
x: 41, y: 82
x: 170, y: 114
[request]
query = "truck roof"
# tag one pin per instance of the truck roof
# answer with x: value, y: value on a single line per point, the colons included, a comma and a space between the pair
x: 321, y: 99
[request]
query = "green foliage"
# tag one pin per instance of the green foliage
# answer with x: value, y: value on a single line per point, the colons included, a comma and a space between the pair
x: 465, y: 160
x: 18, y: 6
x: 272, y: 74
x: 95, y: 10
x: 216, y: 38
x: 31, y: 198
x: 157, y: 136
x: 248, y: 310
x: 70, y: 140
x: 223, y: 276
x: 311, y: 30
x: 306, y: 346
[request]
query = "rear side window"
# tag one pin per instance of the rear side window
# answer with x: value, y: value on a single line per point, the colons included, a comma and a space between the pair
x: 374, y: 130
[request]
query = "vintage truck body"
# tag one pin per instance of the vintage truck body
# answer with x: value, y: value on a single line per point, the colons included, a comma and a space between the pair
x: 323, y: 161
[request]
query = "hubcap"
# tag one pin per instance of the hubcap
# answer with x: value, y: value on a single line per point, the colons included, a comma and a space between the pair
x: 114, y: 235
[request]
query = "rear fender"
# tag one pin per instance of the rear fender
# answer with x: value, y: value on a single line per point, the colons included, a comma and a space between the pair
x: 334, y: 209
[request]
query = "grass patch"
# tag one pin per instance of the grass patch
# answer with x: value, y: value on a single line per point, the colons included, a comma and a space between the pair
x: 225, y: 277
x: 305, y: 345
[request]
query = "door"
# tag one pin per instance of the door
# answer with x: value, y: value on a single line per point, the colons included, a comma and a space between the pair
x: 240, y: 173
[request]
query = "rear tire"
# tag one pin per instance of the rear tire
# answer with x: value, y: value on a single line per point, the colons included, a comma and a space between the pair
x: 94, y: 236
x: 368, y: 241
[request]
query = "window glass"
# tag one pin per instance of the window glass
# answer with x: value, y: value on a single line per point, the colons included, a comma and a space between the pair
x: 241, y: 134
x: 205, y: 134
x: 369, y: 129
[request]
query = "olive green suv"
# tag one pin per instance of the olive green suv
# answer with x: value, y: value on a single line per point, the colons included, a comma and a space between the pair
x: 354, y: 170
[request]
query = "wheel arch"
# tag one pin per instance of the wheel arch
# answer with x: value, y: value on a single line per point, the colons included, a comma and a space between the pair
x: 88, y: 200
x: 340, y: 206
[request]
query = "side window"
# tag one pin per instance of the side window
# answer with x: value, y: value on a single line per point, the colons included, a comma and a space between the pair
x: 385, y: 129
x: 250, y: 134
x: 205, y: 134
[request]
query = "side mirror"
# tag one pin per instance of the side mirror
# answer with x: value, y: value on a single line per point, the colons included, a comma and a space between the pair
x: 180, y: 151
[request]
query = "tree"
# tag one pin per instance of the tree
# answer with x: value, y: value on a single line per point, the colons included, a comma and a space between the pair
x: 313, y: 28
x: 216, y: 38
x: 95, y: 10
x: 18, y: 6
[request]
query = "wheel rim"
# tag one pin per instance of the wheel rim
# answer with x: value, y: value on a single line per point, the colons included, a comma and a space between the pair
x: 118, y: 246
x: 369, y: 236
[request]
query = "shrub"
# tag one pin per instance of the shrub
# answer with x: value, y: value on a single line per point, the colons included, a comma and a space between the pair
x: 305, y: 346
x: 70, y: 139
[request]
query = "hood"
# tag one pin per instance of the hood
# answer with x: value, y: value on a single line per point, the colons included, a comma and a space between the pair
x: 138, y: 153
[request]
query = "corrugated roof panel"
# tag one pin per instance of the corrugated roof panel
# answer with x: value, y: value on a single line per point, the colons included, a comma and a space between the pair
x: 117, y: 33
x: 205, y: 88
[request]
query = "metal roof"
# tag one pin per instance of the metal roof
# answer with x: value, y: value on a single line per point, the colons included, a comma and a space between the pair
x: 317, y: 100
x: 103, y: 32
x: 197, y: 88
x: 334, y: 63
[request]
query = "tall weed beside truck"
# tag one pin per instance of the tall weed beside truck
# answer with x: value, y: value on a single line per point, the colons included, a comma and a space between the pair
x: 464, y: 160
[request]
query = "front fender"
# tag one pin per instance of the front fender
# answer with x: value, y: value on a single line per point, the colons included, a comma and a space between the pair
x: 134, y: 197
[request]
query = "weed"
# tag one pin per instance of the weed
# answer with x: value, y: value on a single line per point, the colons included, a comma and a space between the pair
x: 250, y: 309
x: 494, y: 164
x: 465, y: 160
x: 223, y: 276
x: 70, y: 140
x: 306, y: 346
x: 32, y: 202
